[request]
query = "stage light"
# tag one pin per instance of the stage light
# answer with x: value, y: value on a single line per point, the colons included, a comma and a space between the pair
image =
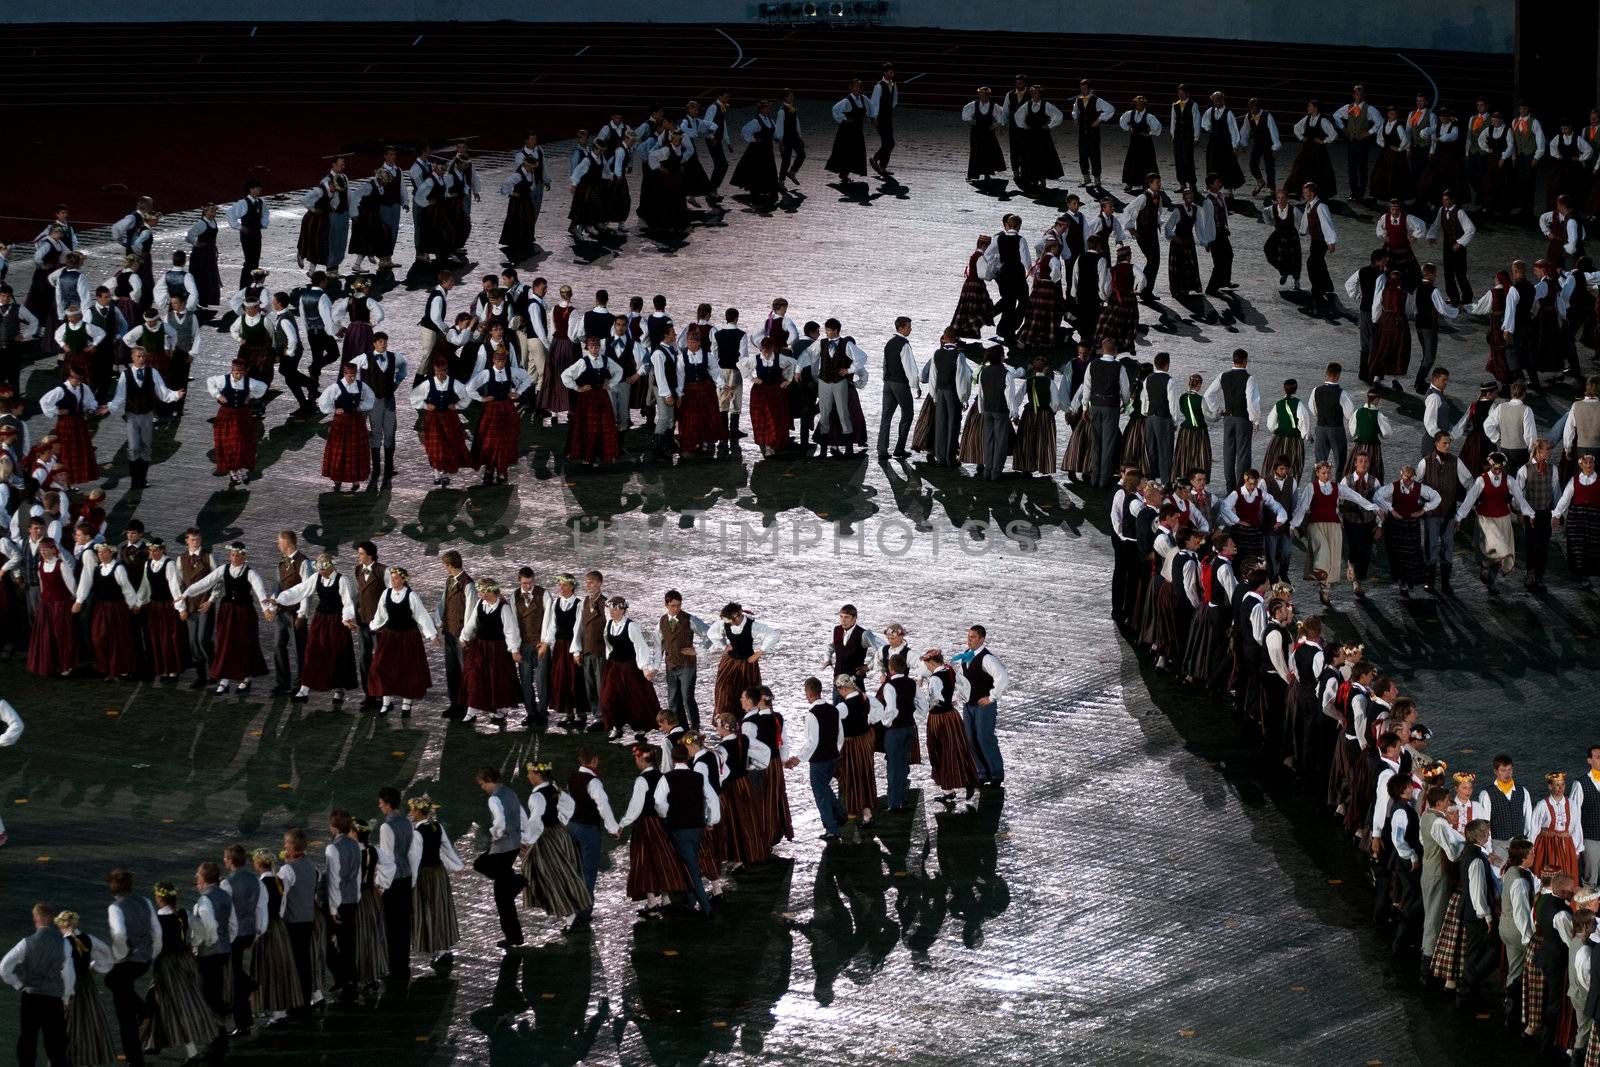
x: 836, y: 9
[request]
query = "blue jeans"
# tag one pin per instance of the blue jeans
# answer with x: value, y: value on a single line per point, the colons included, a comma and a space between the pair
x: 979, y: 720
x: 587, y: 838
x: 686, y: 843
x: 828, y: 806
x: 896, y: 745
x: 1278, y: 545
x: 1438, y: 535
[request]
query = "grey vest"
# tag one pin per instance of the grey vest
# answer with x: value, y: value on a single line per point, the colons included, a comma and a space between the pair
x: 246, y: 893
x: 1511, y: 425
x: 137, y: 920
x: 187, y: 331
x: 1586, y: 424
x: 400, y: 827
x: 512, y: 839
x: 222, y: 909
x: 42, y: 962
x: 349, y: 870
x: 300, y: 902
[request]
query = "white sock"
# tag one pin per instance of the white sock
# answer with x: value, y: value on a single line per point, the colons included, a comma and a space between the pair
x: 305, y: 691
x: 474, y: 711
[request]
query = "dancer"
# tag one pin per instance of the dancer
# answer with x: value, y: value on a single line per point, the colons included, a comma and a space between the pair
x: 444, y: 439
x: 237, y: 656
x: 434, y: 928
x: 1491, y: 497
x: 849, y: 155
x: 327, y: 606
x: 399, y: 660
x: 1579, y: 510
x: 1317, y: 510
x: 345, y: 457
x: 491, y: 648
x: 984, y: 158
x: 627, y: 695
x: 1143, y: 128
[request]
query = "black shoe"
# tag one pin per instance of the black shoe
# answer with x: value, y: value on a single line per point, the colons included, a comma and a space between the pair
x: 198, y: 683
x: 595, y: 727
x: 281, y: 690
x: 508, y: 945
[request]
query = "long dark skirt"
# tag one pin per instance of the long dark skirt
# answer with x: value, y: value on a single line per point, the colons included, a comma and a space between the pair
x: 756, y: 172
x: 496, y: 441
x: 775, y: 803
x: 399, y: 666
x: 949, y: 758
x: 922, y: 436
x: 1042, y: 326
x: 1081, y: 457
x: 1221, y: 158
x: 489, y: 676
x: 555, y: 880
x: 974, y: 308
x: 1403, y: 542
x: 372, y: 944
x: 1119, y: 323
x: 53, y: 642
x: 1312, y: 164
x: 849, y: 154
x: 566, y: 683
x: 314, y: 232
x: 1391, y: 176
x: 734, y: 676
x: 238, y: 644
x: 330, y: 658
x: 554, y: 396
x: 627, y: 699
x: 89, y: 1042
x: 1140, y: 161
x: 972, y: 436
x: 272, y: 969
x: 1191, y: 452
x: 111, y: 638
x: 1183, y: 265
x: 347, y: 456
x: 207, y: 278
x: 434, y: 929
x: 1283, y: 252
x: 179, y: 1012
x: 1583, y: 540
x: 1291, y: 448
x: 1135, y: 451
x: 1206, y: 654
x: 1035, y: 451
x: 653, y: 867
x: 983, y: 152
x: 517, y: 232
x: 858, y: 779
x: 746, y: 835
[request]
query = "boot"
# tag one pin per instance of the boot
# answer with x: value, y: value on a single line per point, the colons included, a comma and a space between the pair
x: 377, y: 468
x: 388, y: 463
x: 135, y: 474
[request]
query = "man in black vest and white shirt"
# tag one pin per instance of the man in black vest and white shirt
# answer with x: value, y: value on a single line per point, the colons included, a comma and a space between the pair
x: 900, y: 377
x: 686, y: 802
x: 1331, y: 412
x: 1104, y: 390
x: 1007, y: 260
x: 251, y: 216
x: 383, y: 372
x: 880, y: 108
x: 499, y: 862
x: 731, y: 346
x: 316, y: 321
x: 820, y: 750
x: 949, y: 374
x: 1158, y: 402
x: 1235, y: 395
x: 838, y: 361
x: 718, y: 138
x: 139, y: 389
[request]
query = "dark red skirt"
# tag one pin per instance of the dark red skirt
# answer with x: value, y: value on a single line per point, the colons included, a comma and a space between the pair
x: 445, y: 441
x: 258, y: 361
x: 168, y: 642
x: 734, y: 676
x: 948, y: 756
x: 233, y: 440
x: 653, y: 867
x: 53, y: 646
x: 769, y: 415
x: 1119, y: 321
x: 1391, y: 346
x: 627, y: 699
x: 399, y: 666
x: 489, y: 676
x: 495, y: 443
x: 858, y: 774
x: 347, y: 456
x: 111, y: 635
x: 778, y: 823
x: 974, y: 308
x: 238, y: 644
x: 592, y: 429
x: 75, y: 451
x: 746, y: 835
x: 357, y: 340
x: 699, y: 419
x: 566, y: 681
x: 330, y: 659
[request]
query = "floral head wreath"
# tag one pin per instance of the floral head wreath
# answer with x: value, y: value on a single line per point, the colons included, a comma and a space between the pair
x: 1352, y: 651
x: 1464, y: 776
x: 565, y: 578
x: 488, y: 585
x: 1434, y: 770
x: 540, y: 767
x: 361, y: 826
x: 66, y: 920
x: 401, y: 571
x: 422, y: 805
x: 165, y: 891
x: 261, y: 855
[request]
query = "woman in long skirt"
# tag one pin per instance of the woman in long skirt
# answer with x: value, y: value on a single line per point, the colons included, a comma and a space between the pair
x: 770, y: 374
x: 554, y: 396
x: 858, y: 777
x: 1042, y: 326
x: 1183, y: 257
x: 1313, y: 163
x: 974, y: 307
x: 202, y: 238
x: 272, y: 967
x: 111, y: 634
x: 745, y: 837
x: 444, y: 436
x: 489, y: 681
x: 1283, y: 243
x: 971, y: 450
x: 849, y: 154
x: 1192, y: 450
x: 1391, y: 174
x: 347, y: 456
x: 653, y: 868
x: 315, y: 230
x: 1036, y: 429
x: 1476, y: 446
x: 372, y: 943
x: 1391, y: 333
x: 1579, y: 509
x: 950, y: 761
x: 1035, y: 160
x: 178, y: 1009
x: 1403, y: 503
x: 555, y: 881
x: 1494, y: 303
x: 1143, y: 129
x: 1119, y: 320
x: 984, y: 158
x: 355, y: 316
x: 434, y: 931
x: 757, y: 171
x: 73, y: 403
x: 760, y: 716
x: 369, y: 237
x: 1133, y: 452
x: 399, y: 669
x: 1222, y: 153
x: 518, y: 232
x: 89, y: 1041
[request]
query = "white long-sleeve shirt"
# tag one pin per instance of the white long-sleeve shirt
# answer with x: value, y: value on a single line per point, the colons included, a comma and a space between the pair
x: 963, y: 374
x: 383, y: 874
x: 424, y: 619
x: 1243, y: 140
x: 1316, y: 213
x: 813, y: 734
x: 1547, y: 821
x: 1384, y: 497
x: 215, y: 578
x: 713, y: 806
x: 303, y: 595
x: 1302, y: 498
x: 13, y: 724
x: 50, y: 403
x: 1103, y: 111
x: 327, y: 402
x: 1252, y: 398
x: 1228, y: 509
x: 119, y: 930
x: 1220, y: 121
x: 236, y: 212
x: 203, y: 929
x: 113, y: 569
x: 510, y: 632
x: 119, y: 400
x: 1527, y: 809
x: 11, y: 964
x: 1468, y: 230
x: 1130, y: 116
x: 1519, y: 502
x: 533, y: 817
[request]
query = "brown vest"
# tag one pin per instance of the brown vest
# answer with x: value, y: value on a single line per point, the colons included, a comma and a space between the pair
x: 455, y: 603
x: 592, y: 625
x: 190, y: 570
x: 673, y: 638
x: 289, y: 570
x: 530, y: 616
x: 368, y: 590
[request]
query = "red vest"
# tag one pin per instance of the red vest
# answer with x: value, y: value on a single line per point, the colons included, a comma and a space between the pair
x: 1396, y: 234
x: 1324, y: 506
x: 1585, y: 496
x: 1494, y: 502
x: 1406, y: 504
x: 1249, y: 511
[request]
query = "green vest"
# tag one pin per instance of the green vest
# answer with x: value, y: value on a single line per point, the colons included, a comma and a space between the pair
x: 1190, y: 406
x: 254, y: 335
x: 1523, y: 138
x: 1285, y: 422
x: 1356, y: 126
x: 152, y: 340
x: 76, y: 338
x: 1366, y: 426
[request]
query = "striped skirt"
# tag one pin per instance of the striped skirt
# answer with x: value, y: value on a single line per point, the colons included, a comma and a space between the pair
x: 653, y: 867
x: 1553, y: 851
x: 433, y: 920
x: 745, y: 835
x: 372, y: 944
x: 555, y: 882
x: 972, y: 436
x: 858, y: 774
x: 1134, y: 451
x: 1291, y: 448
x: 775, y: 804
x: 734, y: 676
x: 1192, y: 452
x: 949, y: 759
x: 89, y: 1041
x: 922, y: 435
x: 1082, y: 455
x: 179, y: 1012
x: 277, y: 986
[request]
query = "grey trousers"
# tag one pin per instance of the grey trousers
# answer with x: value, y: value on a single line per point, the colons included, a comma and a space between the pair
x: 946, y: 427
x: 1159, y: 435
x: 996, y: 443
x: 198, y: 629
x: 1330, y: 441
x: 533, y: 673
x: 1236, y: 435
x: 141, y: 430
x: 1589, y: 864
x: 666, y: 417
x: 619, y: 404
x: 1103, y: 424
x: 680, y: 694
x: 896, y: 397
x: 380, y: 424
x: 591, y: 665
x: 831, y: 395
x: 366, y: 643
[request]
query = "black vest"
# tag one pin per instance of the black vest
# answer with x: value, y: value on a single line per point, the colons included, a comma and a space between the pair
x: 1105, y: 383
x: 1155, y: 395
x: 726, y: 344
x: 894, y: 368
x: 686, y: 806
x: 584, y: 809
x: 827, y: 716
x: 1234, y: 381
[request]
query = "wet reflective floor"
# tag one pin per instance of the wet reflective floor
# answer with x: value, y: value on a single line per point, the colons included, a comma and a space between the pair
x: 1136, y: 894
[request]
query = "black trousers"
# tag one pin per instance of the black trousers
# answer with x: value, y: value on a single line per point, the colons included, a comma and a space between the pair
x: 792, y: 156
x: 300, y: 948
x: 1481, y: 958
x: 1317, y: 271
x: 885, y: 141
x: 1089, y: 151
x: 1221, y: 263
x: 299, y: 383
x: 397, y: 929
x: 1457, y: 284
x: 213, y: 971
x: 345, y: 933
x: 1013, y: 303
x: 324, y: 350
x: 501, y: 870
x: 452, y: 668
x: 129, y: 1007
x: 243, y: 984
x: 1150, y: 245
x: 1356, y: 163
x: 1263, y: 163
x: 45, y: 1017
x: 719, y: 163
x: 288, y: 644
x: 1358, y: 543
x: 250, y: 245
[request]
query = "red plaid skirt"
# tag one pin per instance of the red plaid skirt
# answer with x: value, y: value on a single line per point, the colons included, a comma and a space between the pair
x: 53, y: 645
x: 233, y: 440
x: 627, y: 699
x: 769, y: 415
x: 1119, y: 321
x: 1043, y: 322
x: 858, y: 774
x: 445, y: 441
x: 734, y: 676
x: 592, y: 427
x: 699, y: 420
x: 399, y: 666
x: 1532, y: 983
x: 111, y: 635
x: 949, y: 758
x: 75, y: 451
x: 168, y: 643
x: 1447, y: 950
x: 489, y: 676
x: 330, y: 659
x: 347, y: 457
x: 499, y: 432
x: 238, y: 644
x: 974, y: 308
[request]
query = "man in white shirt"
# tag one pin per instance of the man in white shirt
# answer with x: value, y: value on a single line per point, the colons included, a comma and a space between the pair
x: 42, y: 969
